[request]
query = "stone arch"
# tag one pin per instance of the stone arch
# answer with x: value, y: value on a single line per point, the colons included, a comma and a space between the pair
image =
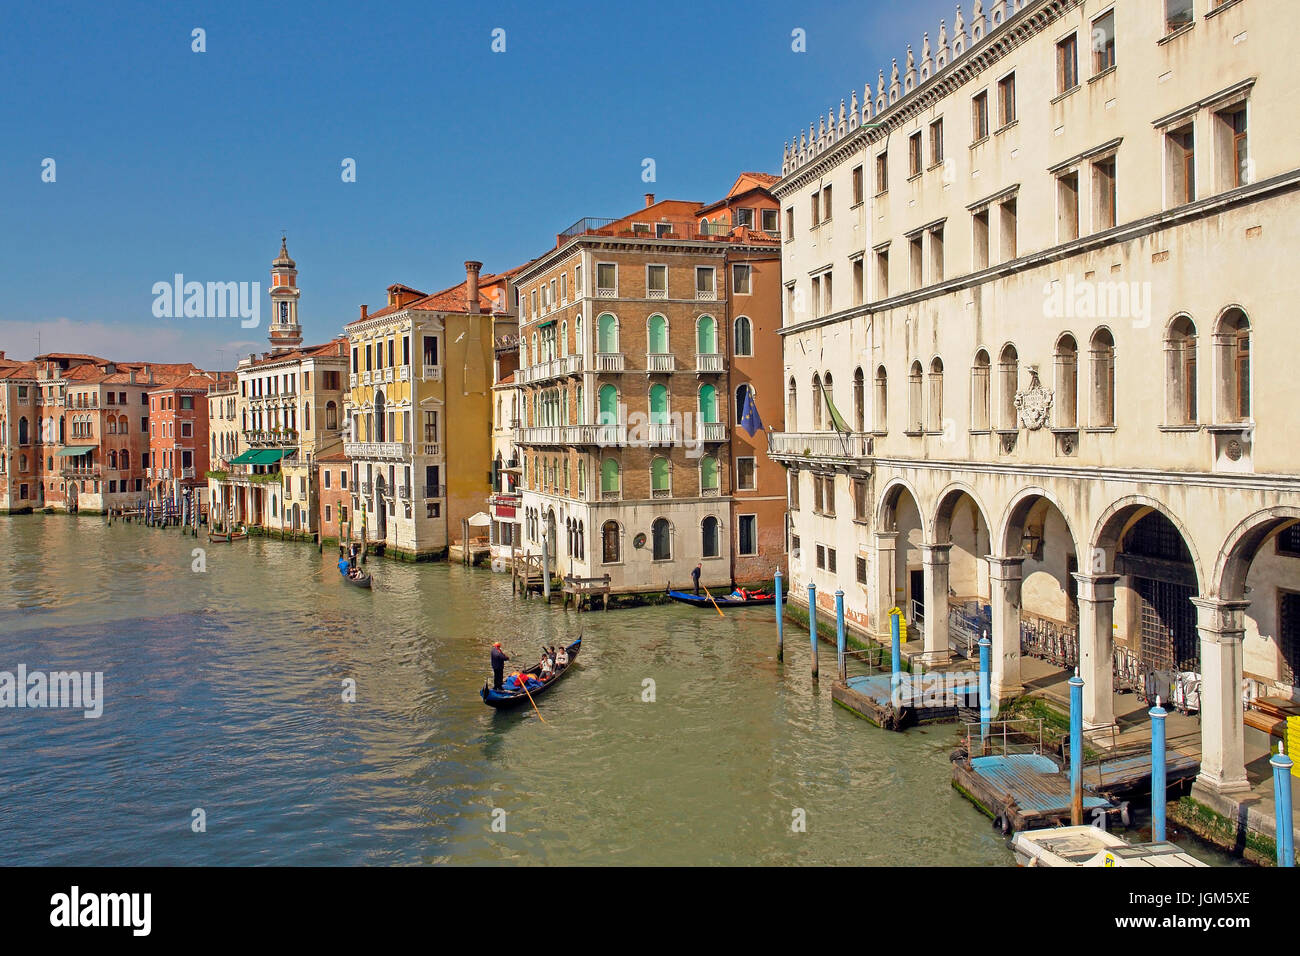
x: 1012, y: 525
x: 1115, y: 522
x: 1232, y: 564
x: 889, y: 500
x: 947, y: 499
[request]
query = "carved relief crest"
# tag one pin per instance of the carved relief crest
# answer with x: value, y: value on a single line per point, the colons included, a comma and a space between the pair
x: 1034, y: 403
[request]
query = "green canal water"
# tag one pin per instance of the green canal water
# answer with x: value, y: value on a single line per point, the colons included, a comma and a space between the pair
x: 223, y: 693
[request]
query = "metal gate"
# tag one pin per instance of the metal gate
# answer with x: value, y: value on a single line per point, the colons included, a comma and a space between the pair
x: 1288, y: 636
x: 1168, y: 625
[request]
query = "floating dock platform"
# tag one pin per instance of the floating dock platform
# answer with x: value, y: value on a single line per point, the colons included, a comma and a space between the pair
x: 930, y: 698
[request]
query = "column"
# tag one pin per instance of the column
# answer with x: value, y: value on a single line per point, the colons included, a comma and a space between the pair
x: 1096, y: 647
x: 1223, y: 749
x: 934, y: 559
x: 1004, y: 587
x: 884, y: 581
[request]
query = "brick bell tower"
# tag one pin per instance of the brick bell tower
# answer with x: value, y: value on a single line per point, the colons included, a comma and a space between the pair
x: 286, y: 333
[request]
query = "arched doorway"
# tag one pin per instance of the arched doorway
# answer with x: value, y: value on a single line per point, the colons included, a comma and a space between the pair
x: 551, y: 529
x: 959, y: 571
x: 381, y: 509
x: 899, y: 559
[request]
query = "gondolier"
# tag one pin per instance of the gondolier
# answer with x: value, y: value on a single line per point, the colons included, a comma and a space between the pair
x: 695, y: 576
x: 499, y: 658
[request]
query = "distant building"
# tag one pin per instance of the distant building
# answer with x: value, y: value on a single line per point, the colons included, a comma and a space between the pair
x: 178, y: 437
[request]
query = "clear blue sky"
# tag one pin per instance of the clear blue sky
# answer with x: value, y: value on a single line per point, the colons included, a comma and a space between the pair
x: 173, y: 161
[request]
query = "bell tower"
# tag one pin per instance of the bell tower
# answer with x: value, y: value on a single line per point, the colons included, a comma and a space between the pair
x: 286, y: 333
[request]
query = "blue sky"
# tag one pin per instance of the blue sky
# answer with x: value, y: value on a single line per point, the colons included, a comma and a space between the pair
x: 170, y: 161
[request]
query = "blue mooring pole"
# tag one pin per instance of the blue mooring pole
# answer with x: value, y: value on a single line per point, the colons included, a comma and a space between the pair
x: 986, y: 705
x: 780, y: 629
x: 839, y: 633
x: 895, y: 653
x: 1159, y: 779
x: 1282, y: 806
x: 1076, y: 749
x: 812, y: 624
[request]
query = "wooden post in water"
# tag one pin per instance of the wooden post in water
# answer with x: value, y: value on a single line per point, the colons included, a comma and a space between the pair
x: 812, y: 624
x: 1076, y: 749
x: 546, y: 567
x: 780, y: 636
x: 839, y: 636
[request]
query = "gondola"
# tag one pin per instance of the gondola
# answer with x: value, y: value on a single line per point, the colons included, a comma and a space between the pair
x: 509, y: 698
x: 227, y: 536
x: 361, y: 582
x: 729, y: 600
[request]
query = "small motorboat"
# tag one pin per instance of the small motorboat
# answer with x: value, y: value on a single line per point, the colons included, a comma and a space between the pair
x: 513, y: 692
x: 734, y: 599
x: 1093, y: 846
x: 361, y: 580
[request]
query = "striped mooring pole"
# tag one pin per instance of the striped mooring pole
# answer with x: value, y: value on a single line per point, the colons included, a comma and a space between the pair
x: 1281, y: 764
x: 1076, y: 749
x: 839, y: 634
x: 812, y: 624
x: 986, y: 705
x: 895, y: 654
x: 1159, y: 778
x: 780, y: 628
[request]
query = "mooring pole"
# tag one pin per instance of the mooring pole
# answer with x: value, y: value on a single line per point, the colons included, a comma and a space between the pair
x: 1158, y: 771
x: 1281, y: 764
x: 986, y: 704
x: 895, y: 654
x: 780, y: 628
x: 1076, y: 749
x: 839, y: 634
x: 812, y: 624
x: 546, y: 568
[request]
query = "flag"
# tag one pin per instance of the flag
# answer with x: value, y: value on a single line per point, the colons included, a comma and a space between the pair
x: 749, y: 419
x: 837, y: 420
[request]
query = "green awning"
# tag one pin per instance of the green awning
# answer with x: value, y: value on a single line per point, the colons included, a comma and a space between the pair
x: 245, y: 458
x: 76, y: 450
x: 269, y: 456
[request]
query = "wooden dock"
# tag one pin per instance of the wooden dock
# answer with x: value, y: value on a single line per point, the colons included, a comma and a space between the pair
x: 586, y: 589
x: 1023, y: 791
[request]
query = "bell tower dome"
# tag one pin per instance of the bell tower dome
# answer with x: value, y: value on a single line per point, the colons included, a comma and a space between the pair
x: 286, y: 333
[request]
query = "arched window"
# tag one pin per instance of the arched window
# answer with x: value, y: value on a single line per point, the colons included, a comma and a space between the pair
x: 708, y: 403
x: 306, y: 418
x: 744, y: 336
x: 1180, y: 371
x: 379, y: 417
x: 936, y: 394
x: 792, y: 406
x: 661, y: 531
x: 658, y: 404
x: 23, y: 437
x: 880, y: 405
x: 609, y: 485
x: 657, y: 330
x: 608, y: 405
x: 818, y: 401
x: 709, y: 537
x: 112, y: 459
x: 534, y: 347
x: 706, y: 335
x: 1232, y: 353
x: 1008, y: 383
x: 741, y: 391
x: 859, y: 401
x: 914, y: 410
x: 1067, y: 382
x: 564, y: 338
x: 979, y: 391
x: 610, y: 543
x: 1103, y: 379
x: 606, y: 333
x: 709, y: 479
x: 331, y: 416
x: 661, y: 479
x: 112, y: 425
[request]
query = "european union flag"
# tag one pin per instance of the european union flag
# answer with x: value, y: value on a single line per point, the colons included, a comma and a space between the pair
x: 749, y: 419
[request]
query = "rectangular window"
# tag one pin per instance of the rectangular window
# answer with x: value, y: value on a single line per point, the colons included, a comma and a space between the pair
x: 860, y: 569
x: 859, y: 286
x: 770, y: 221
x: 745, y: 474
x: 936, y: 142
x: 821, y: 549
x: 826, y: 203
x: 745, y: 217
x: 882, y: 274
x: 1105, y: 207
x: 826, y: 295
x: 980, y: 116
x: 828, y: 495
x: 882, y: 173
x: 1007, y: 232
x: 1178, y: 14
x: 749, y: 534
x: 326, y: 474
x: 1180, y: 146
x: 606, y: 278
x: 830, y: 560
x: 656, y: 282
x: 1067, y: 206
x: 1067, y: 64
x: 740, y: 278
x: 577, y: 281
x: 704, y: 282
x: 1233, y: 156
x: 936, y: 255
x: 1288, y: 541
x: 914, y: 155
x: 1103, y: 43
x: 980, y: 239
x: 1007, y: 100
x: 861, y: 502
x: 187, y: 430
x: 857, y: 185
x: 187, y: 402
x: 789, y: 222
x: 916, y: 260
x: 792, y: 496
x: 812, y: 205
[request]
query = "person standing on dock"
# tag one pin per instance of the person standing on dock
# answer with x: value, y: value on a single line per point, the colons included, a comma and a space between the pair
x: 695, y: 576
x: 499, y: 658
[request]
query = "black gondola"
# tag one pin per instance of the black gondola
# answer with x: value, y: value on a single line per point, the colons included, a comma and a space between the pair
x: 510, y: 698
x: 734, y: 599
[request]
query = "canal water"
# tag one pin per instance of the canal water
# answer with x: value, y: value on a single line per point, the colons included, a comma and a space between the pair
x: 224, y: 703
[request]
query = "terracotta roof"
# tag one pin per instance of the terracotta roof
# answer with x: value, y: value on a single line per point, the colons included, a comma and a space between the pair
x: 506, y: 379
x: 55, y: 356
x: 18, y: 370
x: 332, y: 456
x: 338, y: 346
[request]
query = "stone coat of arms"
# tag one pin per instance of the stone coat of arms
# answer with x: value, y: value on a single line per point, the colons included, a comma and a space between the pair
x: 1034, y: 403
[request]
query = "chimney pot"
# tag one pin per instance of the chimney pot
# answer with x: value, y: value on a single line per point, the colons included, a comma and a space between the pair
x: 471, y: 286
x: 363, y: 311
x: 649, y: 200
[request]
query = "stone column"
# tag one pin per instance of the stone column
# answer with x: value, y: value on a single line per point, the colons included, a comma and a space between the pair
x: 1223, y: 750
x: 884, y: 580
x: 935, y: 565
x: 1096, y: 647
x: 1004, y: 587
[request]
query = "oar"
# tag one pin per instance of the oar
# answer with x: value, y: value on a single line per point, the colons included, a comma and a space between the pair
x: 523, y: 682
x: 715, y: 603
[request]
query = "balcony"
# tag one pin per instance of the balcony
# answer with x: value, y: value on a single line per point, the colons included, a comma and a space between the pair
x: 711, y: 431
x: 432, y: 373
x: 81, y: 473
x: 396, y: 450
x: 661, y: 492
x: 660, y: 362
x: 543, y: 435
x: 270, y: 437
x: 662, y: 228
x: 706, y: 295
x: 611, y: 496
x: 352, y: 379
x: 602, y: 435
x: 365, y: 378
x: 435, y: 491
x: 365, y: 489
x: 431, y: 449
x: 663, y: 434
x: 838, y: 446
x: 709, y: 492
x: 403, y: 493
x: 388, y: 375
x: 554, y: 368
x: 609, y: 361
x: 710, y: 363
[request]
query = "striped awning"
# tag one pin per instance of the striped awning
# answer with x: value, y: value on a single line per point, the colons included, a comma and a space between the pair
x: 72, y: 450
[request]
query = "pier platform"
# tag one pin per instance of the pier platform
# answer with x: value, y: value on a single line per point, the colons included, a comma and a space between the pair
x: 933, y: 697
x: 1024, y: 791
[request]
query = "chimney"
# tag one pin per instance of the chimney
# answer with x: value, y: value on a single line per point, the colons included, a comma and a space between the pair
x: 2, y: 353
x: 471, y: 286
x: 363, y: 312
x: 649, y: 200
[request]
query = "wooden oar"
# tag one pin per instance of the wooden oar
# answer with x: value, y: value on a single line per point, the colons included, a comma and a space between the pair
x: 715, y: 603
x: 523, y: 682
